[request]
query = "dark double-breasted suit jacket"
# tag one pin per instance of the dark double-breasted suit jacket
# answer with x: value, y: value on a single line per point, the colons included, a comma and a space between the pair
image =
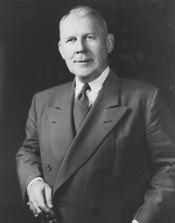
x: 119, y: 166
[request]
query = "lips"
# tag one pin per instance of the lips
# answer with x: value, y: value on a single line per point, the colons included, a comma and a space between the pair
x: 83, y: 61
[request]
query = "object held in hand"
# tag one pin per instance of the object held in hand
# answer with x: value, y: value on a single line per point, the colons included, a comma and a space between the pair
x: 48, y: 218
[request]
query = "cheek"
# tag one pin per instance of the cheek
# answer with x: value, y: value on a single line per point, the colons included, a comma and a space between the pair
x: 68, y: 54
x: 102, y: 56
x: 100, y: 51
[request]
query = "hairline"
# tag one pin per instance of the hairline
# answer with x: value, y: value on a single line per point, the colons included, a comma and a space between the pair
x: 83, y: 11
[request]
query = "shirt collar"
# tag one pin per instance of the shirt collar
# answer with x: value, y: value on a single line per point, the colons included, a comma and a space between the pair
x: 95, y: 85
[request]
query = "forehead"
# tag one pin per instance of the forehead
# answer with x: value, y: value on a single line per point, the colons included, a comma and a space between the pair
x: 77, y: 23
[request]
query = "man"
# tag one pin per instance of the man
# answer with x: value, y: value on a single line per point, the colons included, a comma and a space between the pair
x: 102, y: 154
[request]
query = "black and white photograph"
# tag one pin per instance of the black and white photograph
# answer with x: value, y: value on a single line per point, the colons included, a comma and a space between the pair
x: 87, y: 111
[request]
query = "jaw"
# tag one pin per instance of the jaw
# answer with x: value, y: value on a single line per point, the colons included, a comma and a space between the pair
x: 86, y: 70
x: 87, y: 75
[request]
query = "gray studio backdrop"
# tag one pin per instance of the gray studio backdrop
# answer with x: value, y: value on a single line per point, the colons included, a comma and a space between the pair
x: 30, y: 62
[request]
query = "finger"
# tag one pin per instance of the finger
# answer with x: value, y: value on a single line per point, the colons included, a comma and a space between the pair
x: 40, y: 202
x: 36, y: 194
x: 48, y: 196
x: 34, y: 208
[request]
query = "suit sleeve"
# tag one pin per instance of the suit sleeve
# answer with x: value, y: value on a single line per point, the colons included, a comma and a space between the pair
x: 28, y: 156
x: 159, y: 200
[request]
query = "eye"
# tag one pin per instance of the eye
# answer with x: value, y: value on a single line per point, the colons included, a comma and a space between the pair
x: 90, y: 37
x: 71, y: 40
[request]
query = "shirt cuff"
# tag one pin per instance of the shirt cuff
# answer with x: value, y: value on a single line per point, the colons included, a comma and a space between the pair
x: 32, y: 181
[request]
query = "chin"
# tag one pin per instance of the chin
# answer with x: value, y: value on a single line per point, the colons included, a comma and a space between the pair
x: 83, y: 74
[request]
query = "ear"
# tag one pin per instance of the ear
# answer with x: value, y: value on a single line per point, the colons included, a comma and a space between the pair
x: 110, y: 42
x: 60, y: 49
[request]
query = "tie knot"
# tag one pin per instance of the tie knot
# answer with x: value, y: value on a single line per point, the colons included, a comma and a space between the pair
x: 83, y: 91
x: 85, y: 87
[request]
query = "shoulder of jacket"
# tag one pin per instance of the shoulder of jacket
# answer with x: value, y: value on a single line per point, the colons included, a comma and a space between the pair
x: 132, y: 86
x: 134, y: 92
x: 53, y: 91
x: 48, y: 97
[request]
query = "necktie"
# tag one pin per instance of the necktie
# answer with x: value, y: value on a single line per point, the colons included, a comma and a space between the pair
x: 81, y: 106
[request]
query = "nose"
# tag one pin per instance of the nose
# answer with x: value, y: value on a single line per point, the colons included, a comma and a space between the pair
x: 80, y: 46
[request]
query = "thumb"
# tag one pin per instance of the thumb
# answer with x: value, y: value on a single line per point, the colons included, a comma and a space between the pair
x: 48, y: 196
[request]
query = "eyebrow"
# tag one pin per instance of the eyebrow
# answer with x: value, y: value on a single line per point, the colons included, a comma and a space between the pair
x: 86, y: 34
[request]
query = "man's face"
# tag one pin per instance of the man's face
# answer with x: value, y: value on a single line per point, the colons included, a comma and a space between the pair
x: 84, y: 46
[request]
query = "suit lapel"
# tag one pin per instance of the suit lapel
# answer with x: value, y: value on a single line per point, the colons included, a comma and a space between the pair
x: 60, y: 119
x: 102, y: 118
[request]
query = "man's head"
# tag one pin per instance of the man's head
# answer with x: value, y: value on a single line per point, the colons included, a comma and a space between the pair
x: 85, y: 42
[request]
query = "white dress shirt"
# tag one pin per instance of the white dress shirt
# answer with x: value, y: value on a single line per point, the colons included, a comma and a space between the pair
x: 95, y: 86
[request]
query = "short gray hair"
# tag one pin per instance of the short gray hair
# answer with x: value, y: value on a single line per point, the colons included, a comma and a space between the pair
x: 84, y: 10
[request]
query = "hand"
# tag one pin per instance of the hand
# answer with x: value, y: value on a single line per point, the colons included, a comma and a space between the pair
x: 134, y: 221
x: 40, y: 197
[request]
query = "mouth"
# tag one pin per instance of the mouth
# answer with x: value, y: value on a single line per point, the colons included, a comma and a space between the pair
x: 82, y: 61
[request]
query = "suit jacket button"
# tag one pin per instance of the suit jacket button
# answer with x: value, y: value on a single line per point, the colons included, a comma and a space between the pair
x: 105, y: 169
x: 94, y: 209
x: 49, y: 167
